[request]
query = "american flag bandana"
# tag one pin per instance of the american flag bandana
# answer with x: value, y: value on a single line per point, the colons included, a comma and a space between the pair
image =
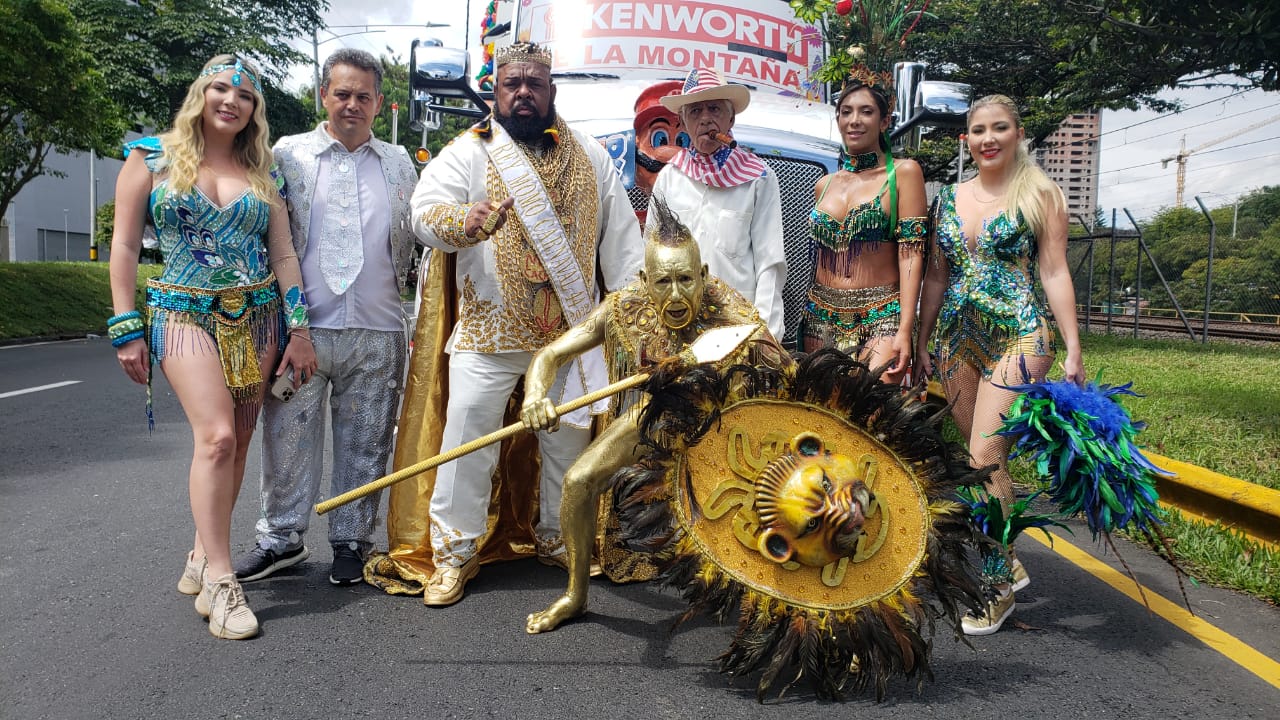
x: 726, y: 167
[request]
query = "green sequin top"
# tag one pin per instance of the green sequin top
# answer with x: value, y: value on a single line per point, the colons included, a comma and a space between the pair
x: 990, y: 297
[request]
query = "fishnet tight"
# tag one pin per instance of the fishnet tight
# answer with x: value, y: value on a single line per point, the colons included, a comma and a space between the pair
x: 978, y: 405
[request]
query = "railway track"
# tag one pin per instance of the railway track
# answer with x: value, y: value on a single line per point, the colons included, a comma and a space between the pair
x: 1218, y: 329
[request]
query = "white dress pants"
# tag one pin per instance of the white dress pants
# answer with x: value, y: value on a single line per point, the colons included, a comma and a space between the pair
x: 479, y: 386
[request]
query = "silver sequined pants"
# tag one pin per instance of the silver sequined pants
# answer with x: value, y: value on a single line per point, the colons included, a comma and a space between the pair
x: 359, y: 374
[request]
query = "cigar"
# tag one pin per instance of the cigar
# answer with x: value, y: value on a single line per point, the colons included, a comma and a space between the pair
x: 725, y: 139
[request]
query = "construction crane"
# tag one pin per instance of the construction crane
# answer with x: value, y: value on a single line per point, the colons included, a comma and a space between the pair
x: 1183, y: 152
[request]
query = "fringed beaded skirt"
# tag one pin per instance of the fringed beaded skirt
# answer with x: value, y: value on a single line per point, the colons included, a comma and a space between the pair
x: 847, y: 318
x: 241, y: 324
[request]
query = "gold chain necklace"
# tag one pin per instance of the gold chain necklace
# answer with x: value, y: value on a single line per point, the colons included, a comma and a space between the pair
x: 973, y: 191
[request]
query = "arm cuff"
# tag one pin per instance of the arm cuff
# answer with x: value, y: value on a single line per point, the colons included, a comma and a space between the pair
x: 448, y: 223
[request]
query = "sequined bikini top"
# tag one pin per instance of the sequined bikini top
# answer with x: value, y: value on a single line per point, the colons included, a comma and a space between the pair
x: 865, y: 223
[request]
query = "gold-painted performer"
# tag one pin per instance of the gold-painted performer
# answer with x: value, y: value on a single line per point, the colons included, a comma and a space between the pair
x: 653, y: 319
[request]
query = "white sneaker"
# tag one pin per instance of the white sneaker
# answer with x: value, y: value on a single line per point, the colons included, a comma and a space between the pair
x: 998, y: 611
x: 229, y: 613
x: 192, y: 575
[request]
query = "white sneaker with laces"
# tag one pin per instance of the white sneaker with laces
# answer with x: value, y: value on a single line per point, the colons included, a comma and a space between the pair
x: 192, y: 575
x: 229, y: 613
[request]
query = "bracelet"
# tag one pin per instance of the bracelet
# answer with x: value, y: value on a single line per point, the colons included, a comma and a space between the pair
x: 297, y: 334
x: 131, y: 328
x: 129, y: 315
x: 126, y: 338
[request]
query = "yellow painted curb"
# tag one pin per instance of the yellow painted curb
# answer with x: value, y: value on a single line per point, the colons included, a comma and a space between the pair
x: 1212, y: 497
x: 1219, y: 640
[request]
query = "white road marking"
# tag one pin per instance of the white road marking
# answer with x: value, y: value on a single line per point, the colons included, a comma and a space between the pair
x: 24, y: 391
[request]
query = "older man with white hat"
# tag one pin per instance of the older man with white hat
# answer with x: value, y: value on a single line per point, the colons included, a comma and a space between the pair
x: 726, y: 195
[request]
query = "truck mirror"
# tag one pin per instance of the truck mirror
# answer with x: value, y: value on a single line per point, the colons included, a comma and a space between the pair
x: 944, y: 103
x: 938, y: 103
x: 437, y: 73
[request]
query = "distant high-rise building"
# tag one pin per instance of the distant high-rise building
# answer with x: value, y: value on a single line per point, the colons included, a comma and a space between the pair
x: 1070, y: 158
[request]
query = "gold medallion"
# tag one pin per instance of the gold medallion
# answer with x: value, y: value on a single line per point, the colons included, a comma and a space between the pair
x: 547, y: 313
x: 531, y: 268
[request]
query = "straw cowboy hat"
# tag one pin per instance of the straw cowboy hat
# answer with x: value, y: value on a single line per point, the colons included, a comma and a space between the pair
x: 704, y: 84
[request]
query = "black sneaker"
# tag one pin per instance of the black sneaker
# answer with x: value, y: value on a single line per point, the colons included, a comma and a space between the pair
x: 259, y: 562
x: 348, y: 565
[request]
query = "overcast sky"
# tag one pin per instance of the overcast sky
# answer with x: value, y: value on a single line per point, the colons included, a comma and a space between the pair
x: 1231, y: 160
x: 1232, y: 163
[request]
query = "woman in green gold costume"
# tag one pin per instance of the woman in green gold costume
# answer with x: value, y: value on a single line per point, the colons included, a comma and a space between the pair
x: 991, y: 233
x: 217, y: 317
x: 868, y: 230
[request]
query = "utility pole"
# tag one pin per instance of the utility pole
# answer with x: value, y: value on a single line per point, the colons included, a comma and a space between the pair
x: 92, y: 209
x: 315, y: 66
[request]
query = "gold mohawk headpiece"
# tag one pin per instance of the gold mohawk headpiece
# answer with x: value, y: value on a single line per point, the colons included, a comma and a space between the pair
x: 522, y: 52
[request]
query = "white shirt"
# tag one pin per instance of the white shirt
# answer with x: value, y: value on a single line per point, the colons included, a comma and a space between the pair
x: 373, y: 300
x: 739, y: 234
x: 455, y: 179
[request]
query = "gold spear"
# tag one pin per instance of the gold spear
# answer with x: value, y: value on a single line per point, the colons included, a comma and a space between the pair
x: 711, y: 346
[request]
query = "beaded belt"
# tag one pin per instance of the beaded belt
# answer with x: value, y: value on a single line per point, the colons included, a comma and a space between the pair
x: 849, y: 309
x: 235, y: 316
x: 227, y: 304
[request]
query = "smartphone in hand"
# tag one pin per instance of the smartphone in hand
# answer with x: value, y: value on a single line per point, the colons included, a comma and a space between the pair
x: 282, y: 388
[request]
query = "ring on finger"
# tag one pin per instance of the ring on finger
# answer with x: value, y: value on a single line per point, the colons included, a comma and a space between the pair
x: 490, y: 223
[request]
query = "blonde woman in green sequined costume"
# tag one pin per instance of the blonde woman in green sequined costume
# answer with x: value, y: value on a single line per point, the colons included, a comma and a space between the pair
x: 991, y: 234
x: 215, y: 324
x: 868, y: 230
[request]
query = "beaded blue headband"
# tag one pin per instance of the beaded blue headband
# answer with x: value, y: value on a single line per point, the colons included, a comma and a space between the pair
x: 236, y: 78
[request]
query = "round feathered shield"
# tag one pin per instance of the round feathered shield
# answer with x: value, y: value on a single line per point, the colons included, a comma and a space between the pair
x: 816, y: 503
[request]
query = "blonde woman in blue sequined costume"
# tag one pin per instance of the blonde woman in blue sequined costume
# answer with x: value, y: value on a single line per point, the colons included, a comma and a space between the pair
x: 218, y: 315
x: 991, y: 234
x: 868, y: 231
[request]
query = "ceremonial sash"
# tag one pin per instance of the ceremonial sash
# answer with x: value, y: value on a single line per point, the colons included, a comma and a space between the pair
x: 546, y: 234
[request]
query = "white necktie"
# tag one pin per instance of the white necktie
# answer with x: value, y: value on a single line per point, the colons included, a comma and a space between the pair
x: 341, y: 241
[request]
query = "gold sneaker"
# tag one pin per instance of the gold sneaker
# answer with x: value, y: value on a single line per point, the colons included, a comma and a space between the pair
x: 229, y: 614
x: 447, y: 584
x: 1020, y: 577
x: 998, y: 611
x: 192, y: 575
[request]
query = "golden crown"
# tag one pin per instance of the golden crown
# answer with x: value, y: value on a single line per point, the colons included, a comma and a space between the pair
x: 522, y: 52
x: 873, y: 78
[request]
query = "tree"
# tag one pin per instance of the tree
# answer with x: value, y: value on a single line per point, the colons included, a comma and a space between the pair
x: 1055, y: 58
x: 51, y: 96
x: 151, y: 50
x: 1188, y: 40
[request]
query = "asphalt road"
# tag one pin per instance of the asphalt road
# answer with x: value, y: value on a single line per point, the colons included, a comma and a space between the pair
x: 94, y: 525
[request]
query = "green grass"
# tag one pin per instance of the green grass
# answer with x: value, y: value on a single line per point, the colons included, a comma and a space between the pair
x: 47, y: 299
x: 1220, y: 556
x: 1215, y: 405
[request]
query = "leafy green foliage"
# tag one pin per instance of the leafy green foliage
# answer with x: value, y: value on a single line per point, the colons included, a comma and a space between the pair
x: 1246, y: 268
x: 170, y: 40
x: 51, y: 94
